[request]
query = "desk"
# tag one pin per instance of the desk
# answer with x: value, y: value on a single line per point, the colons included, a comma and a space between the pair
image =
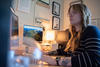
x: 43, y: 66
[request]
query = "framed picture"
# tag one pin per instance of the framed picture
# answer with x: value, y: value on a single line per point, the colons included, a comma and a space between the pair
x: 38, y: 21
x: 56, y: 8
x: 41, y: 21
x: 55, y: 23
x: 94, y: 22
x: 24, y: 5
x: 14, y: 29
x: 45, y: 1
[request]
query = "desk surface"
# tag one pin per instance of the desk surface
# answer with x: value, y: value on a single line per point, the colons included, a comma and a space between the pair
x: 43, y: 66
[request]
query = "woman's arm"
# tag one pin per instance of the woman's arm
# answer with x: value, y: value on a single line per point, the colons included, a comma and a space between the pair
x: 65, y: 61
x: 48, y: 59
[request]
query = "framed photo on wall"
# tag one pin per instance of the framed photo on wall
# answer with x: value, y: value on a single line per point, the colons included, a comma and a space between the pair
x: 55, y: 8
x: 24, y: 5
x: 14, y: 29
x: 45, y: 1
x: 55, y: 23
x: 38, y: 21
x: 94, y: 22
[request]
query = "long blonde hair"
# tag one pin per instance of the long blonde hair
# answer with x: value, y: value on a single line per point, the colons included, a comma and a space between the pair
x: 74, y: 41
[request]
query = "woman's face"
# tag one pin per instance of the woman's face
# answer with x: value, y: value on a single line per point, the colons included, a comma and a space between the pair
x: 75, y: 17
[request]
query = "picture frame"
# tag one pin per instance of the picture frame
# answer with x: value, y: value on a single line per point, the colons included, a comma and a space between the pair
x: 38, y: 21
x: 45, y: 1
x: 24, y: 6
x: 14, y: 30
x: 55, y: 8
x: 94, y: 22
x: 55, y: 23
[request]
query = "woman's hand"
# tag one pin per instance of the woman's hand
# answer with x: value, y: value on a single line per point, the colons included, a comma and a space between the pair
x: 44, y: 53
x: 65, y: 61
x: 69, y: 64
x: 49, y: 60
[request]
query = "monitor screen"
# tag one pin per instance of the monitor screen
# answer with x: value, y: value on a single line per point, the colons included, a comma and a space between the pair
x: 33, y: 32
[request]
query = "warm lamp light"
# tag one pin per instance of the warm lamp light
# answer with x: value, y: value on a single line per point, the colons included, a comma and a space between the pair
x: 49, y: 39
x: 50, y: 35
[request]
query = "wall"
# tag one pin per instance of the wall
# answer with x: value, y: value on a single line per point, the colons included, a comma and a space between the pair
x: 36, y: 11
x: 24, y: 18
x: 95, y: 10
x: 46, y: 13
x: 93, y: 5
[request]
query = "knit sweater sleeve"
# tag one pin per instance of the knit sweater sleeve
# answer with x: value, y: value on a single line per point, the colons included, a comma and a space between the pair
x: 88, y: 53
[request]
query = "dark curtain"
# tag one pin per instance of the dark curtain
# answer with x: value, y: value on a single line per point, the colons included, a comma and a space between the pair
x: 4, y: 31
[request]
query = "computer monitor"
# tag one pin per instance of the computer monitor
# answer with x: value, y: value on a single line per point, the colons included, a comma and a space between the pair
x: 33, y: 32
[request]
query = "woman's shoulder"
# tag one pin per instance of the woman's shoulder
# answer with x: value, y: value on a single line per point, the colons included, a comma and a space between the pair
x: 92, y: 26
x: 91, y: 31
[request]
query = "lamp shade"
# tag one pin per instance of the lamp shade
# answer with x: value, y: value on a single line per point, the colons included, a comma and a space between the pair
x: 61, y: 36
x: 50, y: 35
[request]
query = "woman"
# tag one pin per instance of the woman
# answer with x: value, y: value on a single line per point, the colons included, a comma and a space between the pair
x: 84, y: 42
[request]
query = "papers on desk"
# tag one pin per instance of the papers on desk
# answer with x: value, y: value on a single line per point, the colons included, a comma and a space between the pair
x: 37, y: 54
